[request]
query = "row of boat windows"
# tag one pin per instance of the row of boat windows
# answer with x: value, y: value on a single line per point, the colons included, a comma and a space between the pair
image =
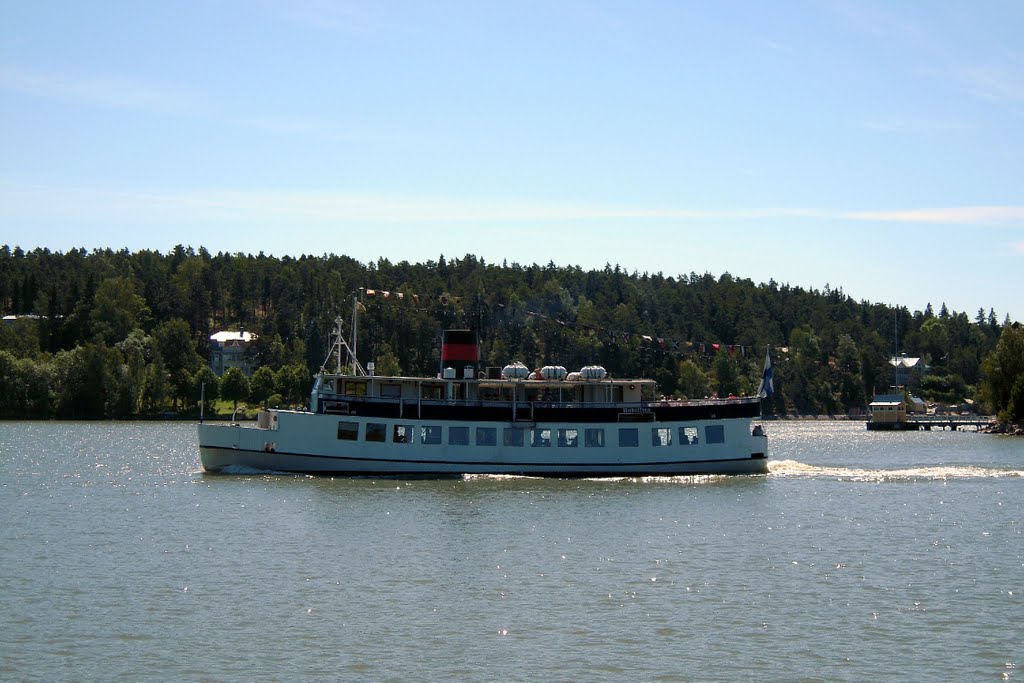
x: 515, y: 436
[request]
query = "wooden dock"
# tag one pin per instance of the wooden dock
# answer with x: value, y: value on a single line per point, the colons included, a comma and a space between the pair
x: 929, y: 422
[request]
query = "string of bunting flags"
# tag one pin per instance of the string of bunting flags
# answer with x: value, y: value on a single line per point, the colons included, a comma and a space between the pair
x: 657, y: 343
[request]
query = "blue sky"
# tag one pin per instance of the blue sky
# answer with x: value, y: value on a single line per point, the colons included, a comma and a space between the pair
x: 871, y: 146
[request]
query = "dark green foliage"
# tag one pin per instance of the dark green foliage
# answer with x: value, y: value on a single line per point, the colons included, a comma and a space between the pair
x: 234, y: 386
x: 117, y: 309
x: 178, y: 350
x: 1003, y: 385
x: 205, y: 385
x: 727, y: 374
x: 386, y: 361
x: 261, y: 385
x: 848, y: 372
x: 122, y: 334
x: 947, y: 389
x: 293, y: 383
x: 692, y: 382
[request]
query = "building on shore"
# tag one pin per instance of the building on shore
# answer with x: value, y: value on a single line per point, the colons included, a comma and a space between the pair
x: 230, y: 349
x: 888, y: 410
x: 907, y: 372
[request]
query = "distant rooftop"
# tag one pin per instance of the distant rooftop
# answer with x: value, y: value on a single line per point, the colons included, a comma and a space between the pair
x: 231, y: 335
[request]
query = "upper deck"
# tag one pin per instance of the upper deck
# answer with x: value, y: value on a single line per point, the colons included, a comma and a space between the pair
x: 515, y: 400
x: 605, y: 390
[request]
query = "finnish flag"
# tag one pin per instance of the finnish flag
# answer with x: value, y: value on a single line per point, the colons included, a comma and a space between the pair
x: 766, y: 388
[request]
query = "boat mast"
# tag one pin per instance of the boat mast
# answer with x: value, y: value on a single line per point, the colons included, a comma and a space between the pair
x: 340, y: 343
x: 895, y: 348
x: 337, y: 346
x: 355, y: 331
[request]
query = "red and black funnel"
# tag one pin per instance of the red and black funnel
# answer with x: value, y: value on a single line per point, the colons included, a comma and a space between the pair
x: 459, y: 348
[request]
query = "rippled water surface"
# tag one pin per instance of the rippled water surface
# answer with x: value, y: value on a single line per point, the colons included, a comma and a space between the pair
x: 863, y: 555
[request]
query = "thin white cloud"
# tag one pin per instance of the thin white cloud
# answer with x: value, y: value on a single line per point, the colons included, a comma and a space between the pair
x: 1018, y: 246
x: 330, y: 15
x: 963, y: 215
x: 856, y: 16
x: 103, y: 90
x: 895, y: 125
x: 354, y: 207
x: 396, y: 209
x: 991, y: 82
x: 119, y: 92
x: 322, y: 129
x: 776, y: 46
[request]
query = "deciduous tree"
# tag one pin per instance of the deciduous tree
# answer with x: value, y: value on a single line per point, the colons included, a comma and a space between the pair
x: 234, y: 386
x: 1003, y: 383
x: 261, y: 385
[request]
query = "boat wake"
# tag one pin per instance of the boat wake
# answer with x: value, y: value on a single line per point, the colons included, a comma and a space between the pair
x: 793, y: 468
x: 646, y: 479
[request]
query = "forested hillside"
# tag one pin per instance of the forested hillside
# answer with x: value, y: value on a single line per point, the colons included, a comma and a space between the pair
x: 119, y: 334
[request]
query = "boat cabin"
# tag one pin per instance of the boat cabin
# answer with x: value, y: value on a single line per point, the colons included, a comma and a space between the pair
x: 333, y: 387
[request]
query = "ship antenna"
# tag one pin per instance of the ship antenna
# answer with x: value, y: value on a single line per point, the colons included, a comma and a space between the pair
x: 355, y: 331
x: 337, y: 346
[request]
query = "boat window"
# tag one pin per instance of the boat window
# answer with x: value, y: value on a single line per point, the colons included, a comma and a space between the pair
x: 376, y: 431
x: 355, y: 388
x: 486, y: 436
x: 629, y: 436
x: 568, y: 438
x: 402, y: 434
x: 390, y: 390
x: 661, y: 436
x: 430, y: 435
x: 687, y: 436
x: 489, y: 394
x: 430, y: 392
x: 458, y: 436
x: 593, y: 438
x: 540, y: 437
x: 348, y: 431
x: 513, y: 436
x: 714, y: 433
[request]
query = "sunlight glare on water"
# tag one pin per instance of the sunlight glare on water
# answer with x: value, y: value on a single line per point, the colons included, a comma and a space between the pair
x: 123, y: 560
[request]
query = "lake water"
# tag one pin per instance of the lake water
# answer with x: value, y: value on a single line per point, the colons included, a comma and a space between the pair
x: 863, y: 555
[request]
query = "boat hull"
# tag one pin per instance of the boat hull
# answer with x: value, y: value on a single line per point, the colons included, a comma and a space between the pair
x: 221, y: 459
x: 309, y: 443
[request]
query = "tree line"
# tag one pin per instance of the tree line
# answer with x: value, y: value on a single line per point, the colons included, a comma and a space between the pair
x: 107, y: 333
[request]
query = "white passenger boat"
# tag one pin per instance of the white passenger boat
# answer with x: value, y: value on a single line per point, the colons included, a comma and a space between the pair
x: 472, y: 420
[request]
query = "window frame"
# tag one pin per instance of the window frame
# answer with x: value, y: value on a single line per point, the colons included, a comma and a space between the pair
x: 458, y: 436
x: 714, y: 434
x: 661, y: 436
x: 348, y: 430
x: 375, y: 432
x: 427, y: 437
x: 689, y: 436
x: 537, y: 438
x: 564, y: 440
x: 489, y: 442
x: 408, y: 433
x: 508, y: 432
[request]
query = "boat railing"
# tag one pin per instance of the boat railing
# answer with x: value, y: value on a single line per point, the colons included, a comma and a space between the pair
x: 623, y: 405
